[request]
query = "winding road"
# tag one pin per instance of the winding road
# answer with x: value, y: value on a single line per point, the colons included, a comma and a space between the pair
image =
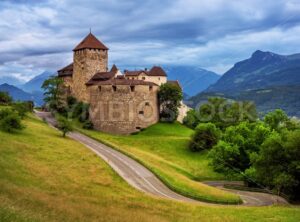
x: 144, y: 180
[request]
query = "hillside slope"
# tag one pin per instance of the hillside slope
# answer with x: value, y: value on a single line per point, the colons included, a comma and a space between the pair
x: 44, y: 177
x: 262, y: 70
x: 272, y: 81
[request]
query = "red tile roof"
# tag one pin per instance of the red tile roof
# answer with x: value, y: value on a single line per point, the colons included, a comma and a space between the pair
x: 157, y: 71
x: 90, y: 42
x: 134, y: 73
x: 66, y: 71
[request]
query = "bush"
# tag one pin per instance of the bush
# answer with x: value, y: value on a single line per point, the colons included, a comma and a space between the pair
x: 71, y: 101
x: 22, y: 108
x: 88, y: 125
x: 5, y: 98
x: 10, y: 121
x: 205, y: 137
x: 191, y: 119
x: 64, y: 125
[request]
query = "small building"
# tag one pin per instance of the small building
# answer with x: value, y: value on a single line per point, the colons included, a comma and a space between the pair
x: 119, y: 103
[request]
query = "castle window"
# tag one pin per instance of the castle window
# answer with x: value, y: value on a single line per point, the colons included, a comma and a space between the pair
x: 132, y: 88
x: 141, y: 112
x: 150, y: 88
x: 138, y: 127
x: 99, y: 88
x: 114, y: 88
x: 143, y: 78
x: 158, y: 78
x: 147, y: 104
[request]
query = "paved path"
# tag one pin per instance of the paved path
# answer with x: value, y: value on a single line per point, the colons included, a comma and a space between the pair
x: 141, y: 178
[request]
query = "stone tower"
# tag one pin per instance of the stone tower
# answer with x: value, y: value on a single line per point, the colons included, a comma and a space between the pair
x: 90, y: 56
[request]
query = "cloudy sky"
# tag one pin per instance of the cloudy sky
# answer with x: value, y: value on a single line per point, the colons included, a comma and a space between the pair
x: 38, y: 35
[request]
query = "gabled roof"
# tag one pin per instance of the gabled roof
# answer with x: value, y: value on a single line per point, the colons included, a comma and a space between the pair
x: 134, y: 73
x: 155, y: 71
x: 90, y: 42
x: 66, y: 71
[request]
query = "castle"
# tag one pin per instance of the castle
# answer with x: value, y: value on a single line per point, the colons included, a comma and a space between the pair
x: 119, y: 103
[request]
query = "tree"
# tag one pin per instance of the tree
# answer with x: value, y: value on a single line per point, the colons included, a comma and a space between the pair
x: 276, y: 119
x: 226, y: 113
x: 10, y: 121
x: 205, y: 137
x: 191, y: 119
x: 53, y: 92
x: 5, y: 98
x: 169, y: 97
x: 64, y: 125
x: 277, y: 165
x: 237, y: 145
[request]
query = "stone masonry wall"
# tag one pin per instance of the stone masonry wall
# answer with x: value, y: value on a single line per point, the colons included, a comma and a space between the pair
x: 87, y: 62
x: 122, y: 109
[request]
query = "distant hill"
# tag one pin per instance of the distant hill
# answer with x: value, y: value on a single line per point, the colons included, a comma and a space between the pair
x: 35, y: 84
x: 192, y: 79
x: 16, y: 93
x: 20, y: 95
x: 270, y: 80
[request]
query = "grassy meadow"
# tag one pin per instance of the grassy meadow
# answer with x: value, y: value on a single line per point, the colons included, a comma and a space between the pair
x: 44, y: 177
x: 163, y: 149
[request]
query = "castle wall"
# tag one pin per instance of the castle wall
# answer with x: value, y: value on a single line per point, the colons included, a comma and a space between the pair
x: 87, y: 62
x: 122, y: 109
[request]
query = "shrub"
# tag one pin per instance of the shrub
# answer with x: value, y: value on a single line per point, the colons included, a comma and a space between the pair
x: 22, y: 108
x: 205, y: 137
x: 5, y: 98
x: 71, y: 101
x: 191, y: 119
x: 88, y: 125
x: 10, y: 121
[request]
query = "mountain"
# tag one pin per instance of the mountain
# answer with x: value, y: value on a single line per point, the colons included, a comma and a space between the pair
x: 35, y: 84
x: 20, y: 95
x: 16, y: 93
x: 270, y: 80
x: 10, y: 80
x: 263, y: 69
x: 192, y: 79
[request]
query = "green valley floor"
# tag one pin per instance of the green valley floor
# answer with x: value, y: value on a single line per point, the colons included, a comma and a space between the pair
x: 44, y: 177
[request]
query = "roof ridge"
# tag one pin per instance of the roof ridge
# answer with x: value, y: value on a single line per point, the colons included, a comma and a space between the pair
x: 90, y: 42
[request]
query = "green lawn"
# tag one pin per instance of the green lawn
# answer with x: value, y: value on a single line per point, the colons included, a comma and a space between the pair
x: 163, y: 149
x: 44, y: 177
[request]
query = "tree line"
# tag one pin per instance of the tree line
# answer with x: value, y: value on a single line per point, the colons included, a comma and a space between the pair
x: 264, y: 152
